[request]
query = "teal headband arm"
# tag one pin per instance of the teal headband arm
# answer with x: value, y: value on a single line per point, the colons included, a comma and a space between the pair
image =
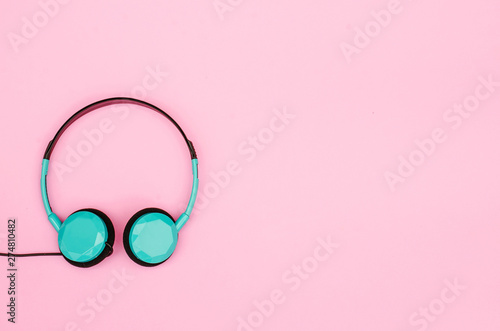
x: 53, y: 219
x: 56, y: 222
x: 194, y: 191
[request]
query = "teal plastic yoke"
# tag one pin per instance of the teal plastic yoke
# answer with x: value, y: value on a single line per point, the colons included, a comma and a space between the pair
x: 194, y: 191
x: 56, y: 222
x: 53, y: 219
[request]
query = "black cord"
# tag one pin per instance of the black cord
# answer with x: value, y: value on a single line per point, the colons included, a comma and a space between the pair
x: 29, y: 254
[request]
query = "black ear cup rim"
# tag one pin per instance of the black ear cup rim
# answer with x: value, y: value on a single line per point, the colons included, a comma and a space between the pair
x: 126, y: 235
x: 108, y: 248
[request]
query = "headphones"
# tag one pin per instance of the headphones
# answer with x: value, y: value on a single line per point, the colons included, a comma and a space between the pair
x: 87, y: 236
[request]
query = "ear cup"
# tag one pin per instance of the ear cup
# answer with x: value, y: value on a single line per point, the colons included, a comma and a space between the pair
x: 86, y: 237
x: 150, y: 237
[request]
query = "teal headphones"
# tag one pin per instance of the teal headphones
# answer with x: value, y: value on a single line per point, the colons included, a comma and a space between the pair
x: 87, y: 236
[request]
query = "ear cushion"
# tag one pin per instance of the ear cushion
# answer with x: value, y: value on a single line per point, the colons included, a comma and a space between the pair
x: 86, y: 237
x: 150, y: 237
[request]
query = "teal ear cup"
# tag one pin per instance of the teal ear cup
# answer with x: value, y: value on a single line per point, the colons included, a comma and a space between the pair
x: 86, y: 237
x: 150, y: 237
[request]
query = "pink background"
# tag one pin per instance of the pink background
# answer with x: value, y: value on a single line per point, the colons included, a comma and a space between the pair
x: 320, y: 177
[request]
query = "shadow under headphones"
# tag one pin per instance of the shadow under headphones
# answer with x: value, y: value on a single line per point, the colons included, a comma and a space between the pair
x: 87, y: 236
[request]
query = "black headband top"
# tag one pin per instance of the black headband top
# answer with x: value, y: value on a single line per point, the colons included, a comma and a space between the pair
x: 108, y: 102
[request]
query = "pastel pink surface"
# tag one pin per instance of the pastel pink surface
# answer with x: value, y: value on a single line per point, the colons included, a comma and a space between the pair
x: 319, y: 174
